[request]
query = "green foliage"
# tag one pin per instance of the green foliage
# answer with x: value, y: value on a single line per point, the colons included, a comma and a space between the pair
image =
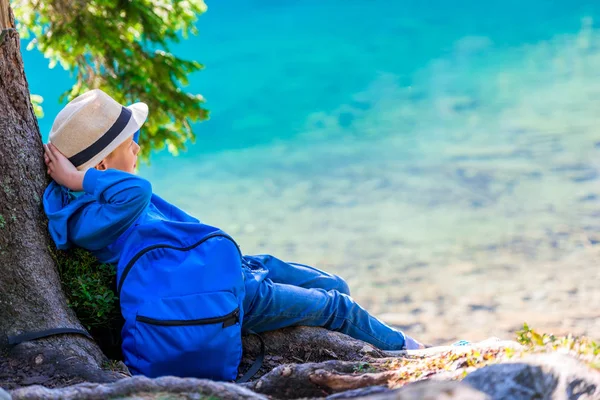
x: 36, y: 102
x: 364, y: 367
x: 582, y: 347
x: 88, y: 285
x: 122, y: 47
x: 529, y: 337
x: 112, y: 365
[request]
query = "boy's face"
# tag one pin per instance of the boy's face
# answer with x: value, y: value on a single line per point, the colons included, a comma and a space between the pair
x: 123, y: 158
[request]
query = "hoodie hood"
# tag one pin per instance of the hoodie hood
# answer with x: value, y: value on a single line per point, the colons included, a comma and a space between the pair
x: 60, y: 204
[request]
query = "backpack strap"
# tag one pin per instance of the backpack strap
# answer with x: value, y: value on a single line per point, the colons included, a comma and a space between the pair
x: 257, y: 363
x: 28, y: 336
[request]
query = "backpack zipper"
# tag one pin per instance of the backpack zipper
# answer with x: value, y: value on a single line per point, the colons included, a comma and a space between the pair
x: 140, y: 253
x: 228, y: 320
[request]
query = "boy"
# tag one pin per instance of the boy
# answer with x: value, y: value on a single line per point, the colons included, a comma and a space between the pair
x: 95, y: 198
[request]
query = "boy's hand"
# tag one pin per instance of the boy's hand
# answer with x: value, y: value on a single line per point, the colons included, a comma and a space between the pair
x: 62, y: 170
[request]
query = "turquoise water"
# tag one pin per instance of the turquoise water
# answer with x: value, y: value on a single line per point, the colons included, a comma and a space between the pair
x: 269, y: 65
x: 393, y: 142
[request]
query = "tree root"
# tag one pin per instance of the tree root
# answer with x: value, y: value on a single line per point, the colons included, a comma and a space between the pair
x: 141, y: 387
x: 293, y: 381
x: 305, y: 344
x: 56, y: 362
x: 322, y: 379
x: 336, y: 382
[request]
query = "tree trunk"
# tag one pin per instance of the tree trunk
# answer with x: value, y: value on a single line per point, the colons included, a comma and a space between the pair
x: 31, y: 298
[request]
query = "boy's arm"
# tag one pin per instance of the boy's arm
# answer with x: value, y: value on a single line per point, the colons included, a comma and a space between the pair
x: 120, y: 200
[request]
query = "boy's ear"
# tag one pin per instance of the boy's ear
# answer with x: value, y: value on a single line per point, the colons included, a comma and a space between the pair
x: 101, y: 166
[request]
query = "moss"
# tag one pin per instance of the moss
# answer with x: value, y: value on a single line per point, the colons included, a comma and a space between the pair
x: 6, y: 187
x: 89, y: 286
x: 364, y: 367
x: 2, y: 221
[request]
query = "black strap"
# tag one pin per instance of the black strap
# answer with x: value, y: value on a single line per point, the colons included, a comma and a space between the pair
x: 257, y: 363
x: 26, y: 337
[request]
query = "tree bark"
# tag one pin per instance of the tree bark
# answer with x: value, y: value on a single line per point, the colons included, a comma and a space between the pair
x: 31, y: 298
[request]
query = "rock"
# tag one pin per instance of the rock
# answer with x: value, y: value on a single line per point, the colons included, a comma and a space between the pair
x: 547, y: 376
x: 4, y: 395
x: 432, y: 390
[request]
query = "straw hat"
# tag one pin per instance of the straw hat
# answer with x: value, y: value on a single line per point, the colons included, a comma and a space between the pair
x: 92, y: 125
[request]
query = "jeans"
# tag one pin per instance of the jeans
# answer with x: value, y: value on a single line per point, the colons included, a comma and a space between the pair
x: 280, y: 294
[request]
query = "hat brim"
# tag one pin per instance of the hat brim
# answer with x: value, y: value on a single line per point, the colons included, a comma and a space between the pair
x: 139, y: 114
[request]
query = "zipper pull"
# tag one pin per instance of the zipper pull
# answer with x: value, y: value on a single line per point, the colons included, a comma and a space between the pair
x: 233, y: 319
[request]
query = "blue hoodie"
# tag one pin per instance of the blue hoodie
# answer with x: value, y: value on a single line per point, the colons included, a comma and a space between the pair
x: 112, y: 203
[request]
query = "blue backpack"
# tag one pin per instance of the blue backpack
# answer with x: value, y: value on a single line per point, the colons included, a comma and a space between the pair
x: 181, y: 290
